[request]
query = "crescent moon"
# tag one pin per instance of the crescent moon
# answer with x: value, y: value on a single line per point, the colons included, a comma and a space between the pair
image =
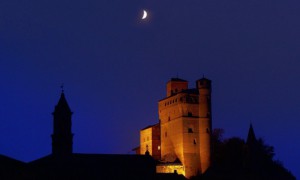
x: 145, y: 14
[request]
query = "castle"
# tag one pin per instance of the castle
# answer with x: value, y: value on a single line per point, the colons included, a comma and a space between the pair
x: 181, y: 140
x: 180, y: 145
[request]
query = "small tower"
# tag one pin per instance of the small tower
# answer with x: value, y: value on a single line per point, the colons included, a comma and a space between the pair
x: 205, y: 127
x: 176, y: 85
x: 62, y: 137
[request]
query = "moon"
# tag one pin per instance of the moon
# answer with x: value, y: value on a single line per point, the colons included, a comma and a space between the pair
x: 145, y: 14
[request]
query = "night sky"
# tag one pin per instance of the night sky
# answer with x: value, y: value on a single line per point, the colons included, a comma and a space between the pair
x: 114, y: 67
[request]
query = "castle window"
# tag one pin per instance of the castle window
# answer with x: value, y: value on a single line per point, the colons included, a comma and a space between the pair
x: 195, y: 142
x: 158, y: 147
x: 190, y: 130
x: 190, y: 114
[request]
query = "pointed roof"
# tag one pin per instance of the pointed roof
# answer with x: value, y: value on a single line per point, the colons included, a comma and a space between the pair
x: 62, y: 104
x: 251, y: 136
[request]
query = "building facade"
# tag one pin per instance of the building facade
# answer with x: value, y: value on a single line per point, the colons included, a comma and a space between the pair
x: 185, y: 129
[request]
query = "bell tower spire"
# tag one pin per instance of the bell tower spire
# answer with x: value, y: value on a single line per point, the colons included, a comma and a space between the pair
x: 62, y: 137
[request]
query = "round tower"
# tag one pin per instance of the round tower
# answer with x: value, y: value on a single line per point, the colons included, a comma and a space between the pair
x: 205, y: 128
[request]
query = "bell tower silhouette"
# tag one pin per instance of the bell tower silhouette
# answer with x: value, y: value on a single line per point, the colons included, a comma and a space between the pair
x: 62, y: 137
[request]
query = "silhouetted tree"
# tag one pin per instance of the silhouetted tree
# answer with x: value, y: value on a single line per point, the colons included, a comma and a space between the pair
x: 234, y: 158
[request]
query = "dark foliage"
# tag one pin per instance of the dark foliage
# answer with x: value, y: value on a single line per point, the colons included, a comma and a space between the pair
x: 234, y: 158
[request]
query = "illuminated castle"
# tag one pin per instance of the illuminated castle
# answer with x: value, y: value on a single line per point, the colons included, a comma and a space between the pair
x: 181, y: 141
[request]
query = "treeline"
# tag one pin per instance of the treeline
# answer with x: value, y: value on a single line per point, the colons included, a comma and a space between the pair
x: 235, y: 158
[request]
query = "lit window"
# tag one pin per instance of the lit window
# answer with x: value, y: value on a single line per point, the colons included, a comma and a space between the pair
x: 158, y: 147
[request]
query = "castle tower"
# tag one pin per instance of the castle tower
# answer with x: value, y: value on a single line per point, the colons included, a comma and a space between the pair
x: 205, y: 125
x: 186, y: 125
x: 176, y: 85
x: 62, y: 137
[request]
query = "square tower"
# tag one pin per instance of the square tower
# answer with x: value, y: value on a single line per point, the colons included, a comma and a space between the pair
x: 185, y: 131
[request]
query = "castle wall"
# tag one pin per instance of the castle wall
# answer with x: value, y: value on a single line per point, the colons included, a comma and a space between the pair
x: 145, y: 140
x: 170, y: 168
x: 191, y: 146
x: 185, y: 129
x: 150, y: 140
x: 179, y: 119
x: 156, y: 143
x: 174, y: 87
x: 205, y: 143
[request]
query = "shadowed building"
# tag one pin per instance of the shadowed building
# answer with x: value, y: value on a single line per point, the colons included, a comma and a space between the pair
x: 10, y: 168
x: 185, y: 129
x: 62, y: 137
x: 64, y: 164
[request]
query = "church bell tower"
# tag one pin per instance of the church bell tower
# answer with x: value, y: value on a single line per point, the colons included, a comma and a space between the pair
x: 62, y: 137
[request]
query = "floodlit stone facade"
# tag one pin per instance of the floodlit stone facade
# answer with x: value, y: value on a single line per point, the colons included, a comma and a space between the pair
x: 185, y: 128
x: 150, y: 141
x: 170, y: 168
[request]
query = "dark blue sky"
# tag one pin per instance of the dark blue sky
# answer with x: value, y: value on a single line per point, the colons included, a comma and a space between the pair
x: 114, y: 67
